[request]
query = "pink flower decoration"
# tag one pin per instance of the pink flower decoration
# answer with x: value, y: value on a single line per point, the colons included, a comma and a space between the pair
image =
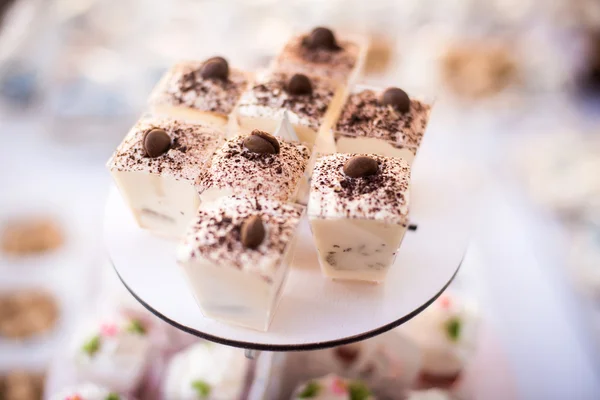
x: 74, y: 397
x: 109, y: 329
x: 445, y: 302
x: 338, y: 386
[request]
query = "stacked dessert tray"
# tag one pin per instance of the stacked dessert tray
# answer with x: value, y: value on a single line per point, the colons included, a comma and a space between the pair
x: 208, y: 128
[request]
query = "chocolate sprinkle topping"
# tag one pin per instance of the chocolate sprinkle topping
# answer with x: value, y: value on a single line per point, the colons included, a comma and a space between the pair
x: 191, y: 148
x: 382, y: 196
x: 363, y: 115
x: 216, y: 234
x: 270, y: 96
x: 184, y: 86
x: 237, y: 168
x: 252, y: 232
x: 296, y: 57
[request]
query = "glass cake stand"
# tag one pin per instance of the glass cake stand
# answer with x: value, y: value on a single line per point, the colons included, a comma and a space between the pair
x: 314, y: 312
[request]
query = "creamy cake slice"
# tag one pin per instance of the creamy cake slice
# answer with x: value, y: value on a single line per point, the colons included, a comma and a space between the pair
x: 312, y: 104
x: 156, y: 168
x: 321, y: 53
x: 358, y: 212
x: 236, y: 256
x: 257, y: 164
x: 204, y: 91
x: 388, y: 123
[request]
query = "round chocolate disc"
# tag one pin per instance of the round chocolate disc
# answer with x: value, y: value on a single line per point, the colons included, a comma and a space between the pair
x: 215, y: 68
x: 156, y: 142
x: 360, y: 167
x: 299, y: 84
x: 252, y: 232
x: 321, y: 38
x: 396, y: 98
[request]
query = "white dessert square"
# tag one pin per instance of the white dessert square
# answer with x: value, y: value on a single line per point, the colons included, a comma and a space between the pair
x: 113, y: 352
x: 207, y: 371
x: 320, y: 52
x: 236, y: 255
x: 196, y: 91
x: 358, y: 212
x: 312, y: 104
x: 256, y: 171
x: 156, y: 168
x: 385, y: 122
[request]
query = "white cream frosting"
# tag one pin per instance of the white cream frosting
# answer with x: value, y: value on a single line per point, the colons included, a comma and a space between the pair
x: 221, y: 369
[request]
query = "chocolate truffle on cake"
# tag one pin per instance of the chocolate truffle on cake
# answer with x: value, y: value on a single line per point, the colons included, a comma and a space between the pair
x: 385, y: 122
x: 205, y: 91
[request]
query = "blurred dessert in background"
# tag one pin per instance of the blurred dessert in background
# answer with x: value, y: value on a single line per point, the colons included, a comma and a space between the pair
x: 156, y: 168
x: 358, y: 212
x: 88, y: 391
x: 237, y: 254
x: 430, y: 394
x: 379, y: 56
x: 321, y: 52
x: 385, y: 122
x: 208, y: 371
x: 388, y: 363
x: 255, y: 164
x: 311, y: 103
x: 111, y: 351
x: 27, y: 313
x: 447, y: 333
x: 31, y: 235
x: 333, y: 387
x: 479, y: 69
x: 21, y: 385
x: 205, y: 91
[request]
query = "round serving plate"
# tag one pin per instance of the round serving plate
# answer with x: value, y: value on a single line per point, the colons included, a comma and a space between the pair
x: 314, y: 312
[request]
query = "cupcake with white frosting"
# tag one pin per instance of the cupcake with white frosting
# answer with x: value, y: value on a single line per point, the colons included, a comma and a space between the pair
x: 207, y: 371
x: 333, y: 387
x: 447, y: 334
x: 112, y: 352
